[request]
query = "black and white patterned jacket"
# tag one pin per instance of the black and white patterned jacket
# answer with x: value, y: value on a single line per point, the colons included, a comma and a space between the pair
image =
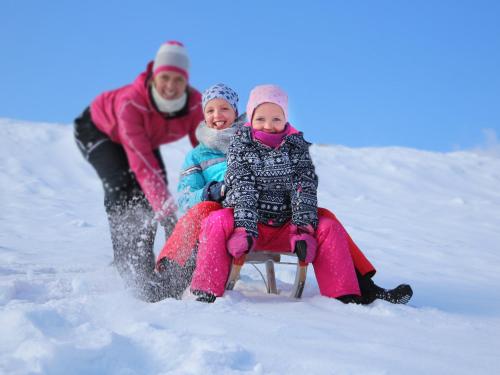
x: 269, y: 185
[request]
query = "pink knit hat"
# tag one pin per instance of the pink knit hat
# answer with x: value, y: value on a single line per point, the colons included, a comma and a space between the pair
x: 267, y: 94
x: 172, y: 56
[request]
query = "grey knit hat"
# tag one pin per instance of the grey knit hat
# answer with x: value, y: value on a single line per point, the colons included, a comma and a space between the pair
x: 172, y: 56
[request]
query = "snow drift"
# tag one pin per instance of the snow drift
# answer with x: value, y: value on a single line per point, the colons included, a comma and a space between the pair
x: 426, y: 218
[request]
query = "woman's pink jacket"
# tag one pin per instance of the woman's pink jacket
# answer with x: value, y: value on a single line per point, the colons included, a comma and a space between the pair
x: 128, y: 116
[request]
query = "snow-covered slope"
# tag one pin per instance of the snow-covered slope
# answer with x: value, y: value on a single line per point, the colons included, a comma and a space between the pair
x: 426, y: 218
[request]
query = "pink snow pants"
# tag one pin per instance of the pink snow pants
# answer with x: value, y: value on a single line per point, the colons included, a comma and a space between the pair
x: 333, y: 265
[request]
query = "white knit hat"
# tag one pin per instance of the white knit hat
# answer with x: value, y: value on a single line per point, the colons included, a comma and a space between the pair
x: 172, y: 56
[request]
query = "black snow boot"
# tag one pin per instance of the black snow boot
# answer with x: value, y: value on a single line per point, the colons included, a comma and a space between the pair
x: 204, y: 296
x: 350, y: 298
x: 367, y: 288
x: 371, y: 291
x: 400, y: 294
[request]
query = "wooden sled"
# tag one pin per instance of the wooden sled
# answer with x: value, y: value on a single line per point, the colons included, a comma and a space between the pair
x: 269, y: 258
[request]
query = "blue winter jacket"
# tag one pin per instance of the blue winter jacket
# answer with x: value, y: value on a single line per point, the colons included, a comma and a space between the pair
x: 201, y: 166
x: 204, y: 164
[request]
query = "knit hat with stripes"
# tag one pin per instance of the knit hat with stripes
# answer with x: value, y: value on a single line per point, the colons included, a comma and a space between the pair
x: 172, y: 56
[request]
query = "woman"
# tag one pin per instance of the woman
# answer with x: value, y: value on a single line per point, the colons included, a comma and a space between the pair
x: 120, y: 135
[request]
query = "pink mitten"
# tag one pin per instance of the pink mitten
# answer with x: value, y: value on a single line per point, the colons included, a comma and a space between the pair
x: 303, y: 243
x: 240, y: 242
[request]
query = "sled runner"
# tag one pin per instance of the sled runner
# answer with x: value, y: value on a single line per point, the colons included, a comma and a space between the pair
x: 269, y: 258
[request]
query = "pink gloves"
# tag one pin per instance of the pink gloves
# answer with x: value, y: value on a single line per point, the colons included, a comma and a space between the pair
x: 240, y: 243
x: 303, y: 243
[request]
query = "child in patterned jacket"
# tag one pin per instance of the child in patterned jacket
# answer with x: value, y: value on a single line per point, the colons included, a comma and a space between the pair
x: 271, y: 204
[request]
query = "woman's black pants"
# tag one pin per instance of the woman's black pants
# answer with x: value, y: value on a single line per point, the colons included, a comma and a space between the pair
x: 129, y: 213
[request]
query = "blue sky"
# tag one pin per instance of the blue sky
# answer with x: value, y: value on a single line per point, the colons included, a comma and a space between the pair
x: 423, y: 74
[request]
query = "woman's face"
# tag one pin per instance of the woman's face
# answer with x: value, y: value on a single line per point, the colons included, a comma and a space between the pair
x: 219, y: 114
x: 269, y: 118
x: 170, y: 85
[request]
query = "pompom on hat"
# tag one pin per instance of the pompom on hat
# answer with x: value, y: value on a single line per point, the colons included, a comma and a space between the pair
x: 267, y: 94
x: 220, y: 91
x: 172, y: 56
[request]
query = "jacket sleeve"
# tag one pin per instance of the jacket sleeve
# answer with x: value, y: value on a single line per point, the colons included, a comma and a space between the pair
x: 140, y: 154
x: 191, y: 183
x: 241, y: 194
x: 304, y: 197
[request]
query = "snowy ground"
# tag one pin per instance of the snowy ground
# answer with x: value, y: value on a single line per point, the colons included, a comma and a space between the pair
x: 430, y: 219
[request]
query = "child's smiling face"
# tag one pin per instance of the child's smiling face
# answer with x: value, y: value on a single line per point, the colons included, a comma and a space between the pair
x: 219, y: 114
x: 269, y: 118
